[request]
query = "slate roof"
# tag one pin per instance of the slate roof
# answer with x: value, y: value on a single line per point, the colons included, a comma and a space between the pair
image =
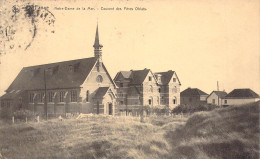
x: 138, y: 76
x: 192, y: 92
x: 101, y: 92
x: 242, y: 93
x: 67, y: 74
x: 167, y: 76
x: 11, y: 95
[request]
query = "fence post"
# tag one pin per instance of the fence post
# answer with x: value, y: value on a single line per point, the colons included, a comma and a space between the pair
x: 13, y: 119
x: 38, y: 119
x: 25, y: 119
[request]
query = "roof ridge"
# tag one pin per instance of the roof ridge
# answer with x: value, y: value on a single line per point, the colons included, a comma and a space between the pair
x: 58, y: 62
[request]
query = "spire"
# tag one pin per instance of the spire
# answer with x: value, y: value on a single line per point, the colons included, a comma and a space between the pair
x: 98, y: 50
x: 96, y: 44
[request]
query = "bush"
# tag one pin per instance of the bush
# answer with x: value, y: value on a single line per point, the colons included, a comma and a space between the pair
x: 22, y: 114
x: 192, y: 109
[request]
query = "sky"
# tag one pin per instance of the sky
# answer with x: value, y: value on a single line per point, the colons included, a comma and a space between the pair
x: 204, y: 41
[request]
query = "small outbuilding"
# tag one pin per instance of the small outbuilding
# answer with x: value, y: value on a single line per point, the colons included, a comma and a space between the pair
x: 193, y: 96
x: 241, y: 96
x: 216, y: 98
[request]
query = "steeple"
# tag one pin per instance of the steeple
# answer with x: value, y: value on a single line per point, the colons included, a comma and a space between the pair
x: 98, y: 49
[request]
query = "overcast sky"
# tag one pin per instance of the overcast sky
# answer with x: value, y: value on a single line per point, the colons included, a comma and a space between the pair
x: 204, y: 41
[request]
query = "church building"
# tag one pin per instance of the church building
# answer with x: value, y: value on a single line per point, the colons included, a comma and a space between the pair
x: 76, y: 86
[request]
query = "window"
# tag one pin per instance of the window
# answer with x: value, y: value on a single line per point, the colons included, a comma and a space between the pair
x: 62, y: 94
x: 213, y: 101
x: 225, y: 101
x: 174, y: 100
x: 41, y: 97
x: 121, y: 85
x: 87, y: 96
x: 159, y: 90
x: 31, y: 97
x: 99, y: 79
x: 50, y: 97
x: 174, y: 79
x: 158, y: 100
x: 150, y: 101
x: 73, y: 96
x: 150, y: 78
x: 121, y: 102
x: 8, y: 104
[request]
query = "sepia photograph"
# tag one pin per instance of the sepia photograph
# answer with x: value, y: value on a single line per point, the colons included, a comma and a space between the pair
x: 129, y: 79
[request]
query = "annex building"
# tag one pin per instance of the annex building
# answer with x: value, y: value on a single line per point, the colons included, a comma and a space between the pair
x: 76, y: 86
x: 144, y: 88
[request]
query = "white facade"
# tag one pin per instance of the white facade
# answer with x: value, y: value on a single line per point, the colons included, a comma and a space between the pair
x: 214, y: 99
x: 239, y: 101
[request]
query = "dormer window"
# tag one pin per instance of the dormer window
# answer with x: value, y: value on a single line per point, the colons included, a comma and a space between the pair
x: 159, y: 79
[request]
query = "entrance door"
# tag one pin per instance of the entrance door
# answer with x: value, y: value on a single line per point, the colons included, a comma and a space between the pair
x: 110, y: 108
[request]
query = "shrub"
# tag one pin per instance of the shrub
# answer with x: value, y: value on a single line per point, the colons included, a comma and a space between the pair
x: 22, y: 114
x: 192, y: 108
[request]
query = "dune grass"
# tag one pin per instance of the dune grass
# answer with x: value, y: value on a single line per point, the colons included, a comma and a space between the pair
x: 94, y: 137
x: 228, y: 133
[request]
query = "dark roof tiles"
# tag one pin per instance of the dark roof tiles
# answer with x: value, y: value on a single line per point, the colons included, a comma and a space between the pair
x: 192, y: 92
x: 65, y: 74
x: 242, y: 93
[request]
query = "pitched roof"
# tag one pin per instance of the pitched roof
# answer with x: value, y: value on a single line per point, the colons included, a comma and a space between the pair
x: 101, y: 92
x: 138, y: 76
x: 242, y: 93
x: 220, y: 94
x: 65, y: 74
x: 11, y: 95
x: 192, y: 92
x: 166, y: 76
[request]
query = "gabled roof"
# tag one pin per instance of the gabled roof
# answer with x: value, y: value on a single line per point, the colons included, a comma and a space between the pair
x: 220, y: 94
x: 101, y: 92
x: 126, y: 74
x: 167, y: 76
x: 65, y: 74
x: 138, y: 76
x: 242, y: 93
x: 192, y: 92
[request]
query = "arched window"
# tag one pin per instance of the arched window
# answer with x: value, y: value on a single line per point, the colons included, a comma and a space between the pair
x: 150, y: 101
x: 99, y: 79
x: 174, y: 100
